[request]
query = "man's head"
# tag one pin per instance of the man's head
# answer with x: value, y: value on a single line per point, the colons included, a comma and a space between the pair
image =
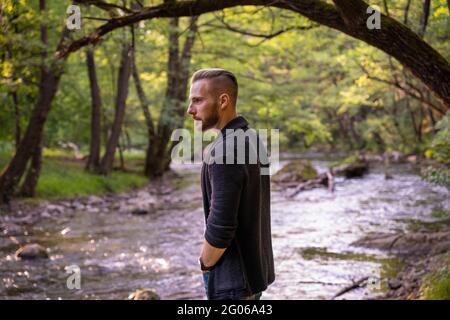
x: 212, y: 98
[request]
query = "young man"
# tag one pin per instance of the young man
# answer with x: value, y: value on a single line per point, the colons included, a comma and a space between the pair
x: 236, y: 258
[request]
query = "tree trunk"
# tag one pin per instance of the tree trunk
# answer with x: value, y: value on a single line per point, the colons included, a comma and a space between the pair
x: 143, y: 99
x: 172, y: 116
x: 405, y: 17
x: 386, y: 8
x: 17, y: 131
x: 122, y: 93
x: 394, y: 115
x: 155, y: 160
x: 147, y: 115
x: 424, y: 18
x: 15, y: 101
x: 122, y: 161
x: 28, y: 188
x: 93, y: 162
x: 413, y: 119
x: 356, y: 137
x: 421, y: 119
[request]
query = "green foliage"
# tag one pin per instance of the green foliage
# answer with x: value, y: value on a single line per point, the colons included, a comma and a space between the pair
x: 437, y: 175
x: 440, y: 145
x: 439, y: 150
x: 438, y: 285
x: 351, y: 159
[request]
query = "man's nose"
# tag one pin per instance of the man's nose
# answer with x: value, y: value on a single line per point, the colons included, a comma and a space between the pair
x: 190, y: 110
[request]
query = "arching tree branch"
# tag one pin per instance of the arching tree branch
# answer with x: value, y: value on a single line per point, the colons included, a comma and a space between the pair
x: 348, y: 16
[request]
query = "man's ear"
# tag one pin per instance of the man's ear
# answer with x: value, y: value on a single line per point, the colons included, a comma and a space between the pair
x: 224, y: 100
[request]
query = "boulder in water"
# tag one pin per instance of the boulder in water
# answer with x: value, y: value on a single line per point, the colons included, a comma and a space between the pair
x: 32, y: 251
x: 296, y: 171
x: 351, y: 167
x: 139, y: 211
x: 144, y: 294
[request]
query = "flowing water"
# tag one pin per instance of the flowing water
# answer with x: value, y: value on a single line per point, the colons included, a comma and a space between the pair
x: 118, y: 252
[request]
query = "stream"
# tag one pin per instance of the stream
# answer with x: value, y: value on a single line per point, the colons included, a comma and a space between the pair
x: 118, y: 252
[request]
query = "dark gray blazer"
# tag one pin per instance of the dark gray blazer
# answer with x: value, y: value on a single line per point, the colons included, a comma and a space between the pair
x: 236, y: 200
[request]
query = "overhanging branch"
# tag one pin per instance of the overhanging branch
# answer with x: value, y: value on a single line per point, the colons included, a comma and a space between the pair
x: 315, y: 10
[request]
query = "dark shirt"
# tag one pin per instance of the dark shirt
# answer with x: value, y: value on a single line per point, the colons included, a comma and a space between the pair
x: 236, y: 200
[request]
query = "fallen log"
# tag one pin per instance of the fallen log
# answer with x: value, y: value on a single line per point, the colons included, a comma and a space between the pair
x: 355, y: 285
x: 301, y: 175
x: 320, y: 181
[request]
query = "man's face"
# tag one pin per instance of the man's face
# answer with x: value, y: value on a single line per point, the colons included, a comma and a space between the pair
x: 203, y: 105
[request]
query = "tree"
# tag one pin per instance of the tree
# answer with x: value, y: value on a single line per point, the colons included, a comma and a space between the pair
x: 121, y: 98
x: 93, y: 163
x: 32, y: 139
x: 172, y: 115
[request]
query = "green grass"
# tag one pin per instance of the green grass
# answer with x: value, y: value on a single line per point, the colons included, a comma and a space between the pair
x: 440, y: 212
x: 64, y: 177
x: 439, y: 286
x: 311, y: 253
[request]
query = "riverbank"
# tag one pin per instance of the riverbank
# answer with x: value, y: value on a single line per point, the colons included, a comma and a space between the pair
x: 424, y: 252
x: 63, y: 176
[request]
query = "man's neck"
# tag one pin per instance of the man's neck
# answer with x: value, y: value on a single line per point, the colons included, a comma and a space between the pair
x: 223, y: 122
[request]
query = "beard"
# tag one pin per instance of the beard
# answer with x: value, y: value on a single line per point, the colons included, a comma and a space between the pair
x: 211, y: 120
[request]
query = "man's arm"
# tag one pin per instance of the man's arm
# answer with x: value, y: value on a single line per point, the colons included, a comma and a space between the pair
x: 227, y: 181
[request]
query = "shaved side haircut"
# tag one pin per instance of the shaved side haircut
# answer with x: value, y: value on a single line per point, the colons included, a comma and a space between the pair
x: 220, y: 79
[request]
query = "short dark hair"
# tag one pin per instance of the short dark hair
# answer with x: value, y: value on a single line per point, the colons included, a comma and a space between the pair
x: 219, y: 75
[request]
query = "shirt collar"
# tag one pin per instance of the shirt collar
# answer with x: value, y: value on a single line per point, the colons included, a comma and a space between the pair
x: 236, y: 123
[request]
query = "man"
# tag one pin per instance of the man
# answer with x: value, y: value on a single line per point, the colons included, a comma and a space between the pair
x: 236, y: 257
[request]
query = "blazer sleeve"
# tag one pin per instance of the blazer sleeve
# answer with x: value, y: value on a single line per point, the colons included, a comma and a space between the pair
x: 227, y: 181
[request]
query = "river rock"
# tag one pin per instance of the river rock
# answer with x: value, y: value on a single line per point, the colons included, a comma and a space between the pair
x: 139, y: 211
x: 78, y: 206
x: 144, y: 294
x: 45, y: 214
x: 412, y: 158
x: 394, y: 284
x: 10, y: 229
x: 92, y: 209
x: 295, y: 171
x: 93, y: 200
x: 31, y: 252
x: 413, y: 243
x: 351, y: 167
x: 53, y: 208
x: 372, y: 157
